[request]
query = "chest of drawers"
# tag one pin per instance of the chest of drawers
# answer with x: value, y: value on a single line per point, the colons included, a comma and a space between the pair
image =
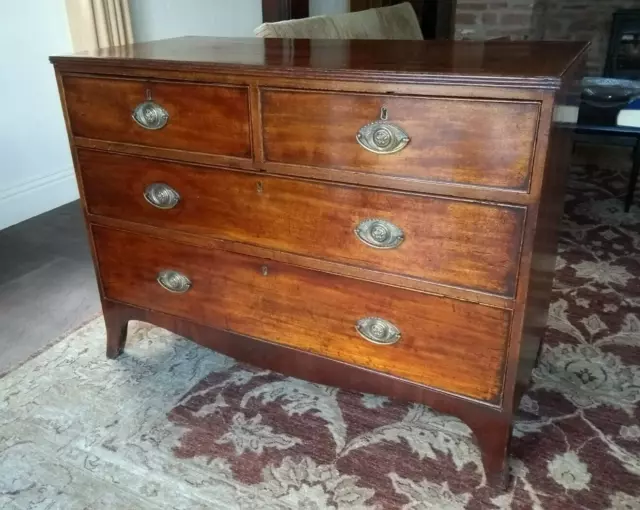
x: 375, y: 215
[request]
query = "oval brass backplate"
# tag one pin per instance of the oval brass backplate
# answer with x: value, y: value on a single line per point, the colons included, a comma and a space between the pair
x: 378, y: 331
x: 161, y: 195
x: 173, y: 281
x: 379, y: 233
x: 150, y: 115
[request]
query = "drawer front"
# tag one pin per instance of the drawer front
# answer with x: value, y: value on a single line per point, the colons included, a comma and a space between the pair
x: 453, y: 242
x: 475, y: 142
x: 200, y: 118
x: 452, y: 345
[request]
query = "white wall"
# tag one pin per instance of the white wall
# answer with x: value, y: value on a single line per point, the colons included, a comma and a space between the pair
x: 36, y: 172
x: 160, y: 19
x: 317, y: 7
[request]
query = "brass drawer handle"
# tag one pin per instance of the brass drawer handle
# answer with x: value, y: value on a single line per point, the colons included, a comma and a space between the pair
x: 173, y: 281
x: 382, y: 137
x: 379, y: 233
x: 150, y: 115
x: 161, y: 195
x: 378, y: 331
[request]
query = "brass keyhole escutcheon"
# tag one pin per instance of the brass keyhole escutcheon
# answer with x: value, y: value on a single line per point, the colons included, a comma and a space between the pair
x: 259, y: 187
x: 264, y: 270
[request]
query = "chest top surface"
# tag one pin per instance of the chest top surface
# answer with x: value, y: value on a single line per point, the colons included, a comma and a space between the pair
x: 522, y: 63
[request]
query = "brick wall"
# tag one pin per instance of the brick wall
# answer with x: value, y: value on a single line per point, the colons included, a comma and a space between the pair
x: 578, y: 20
x: 485, y: 19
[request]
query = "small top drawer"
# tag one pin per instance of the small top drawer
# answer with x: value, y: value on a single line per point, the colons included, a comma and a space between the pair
x: 204, y: 118
x: 462, y: 141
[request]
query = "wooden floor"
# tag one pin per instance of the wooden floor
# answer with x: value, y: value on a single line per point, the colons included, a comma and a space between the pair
x: 47, y: 282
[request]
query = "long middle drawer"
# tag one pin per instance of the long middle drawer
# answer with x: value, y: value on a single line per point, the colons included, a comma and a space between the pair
x: 453, y: 242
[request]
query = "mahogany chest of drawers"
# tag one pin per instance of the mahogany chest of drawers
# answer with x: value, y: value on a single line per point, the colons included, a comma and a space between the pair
x: 375, y: 215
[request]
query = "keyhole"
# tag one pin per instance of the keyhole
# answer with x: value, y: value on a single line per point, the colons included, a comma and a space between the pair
x: 265, y: 270
x: 259, y: 187
x: 383, y: 113
x: 147, y: 94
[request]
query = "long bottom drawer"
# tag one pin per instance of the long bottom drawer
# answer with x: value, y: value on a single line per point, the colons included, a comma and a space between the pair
x: 452, y: 345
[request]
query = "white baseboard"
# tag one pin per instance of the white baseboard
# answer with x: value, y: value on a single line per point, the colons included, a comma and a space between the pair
x: 35, y: 196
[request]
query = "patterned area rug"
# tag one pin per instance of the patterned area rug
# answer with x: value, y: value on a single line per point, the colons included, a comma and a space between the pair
x: 173, y: 425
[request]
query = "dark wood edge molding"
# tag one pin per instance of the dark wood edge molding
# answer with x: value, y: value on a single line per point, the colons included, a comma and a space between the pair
x: 363, y: 86
x: 78, y: 174
x: 66, y: 63
x: 174, y: 155
x: 400, y: 183
x: 450, y: 97
x: 541, y: 155
x: 115, y: 77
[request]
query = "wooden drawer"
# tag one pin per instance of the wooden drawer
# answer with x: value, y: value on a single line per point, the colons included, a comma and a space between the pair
x: 462, y: 141
x: 462, y: 243
x: 202, y: 118
x: 452, y: 345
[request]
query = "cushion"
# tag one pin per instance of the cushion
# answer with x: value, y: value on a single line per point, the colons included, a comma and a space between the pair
x: 394, y: 22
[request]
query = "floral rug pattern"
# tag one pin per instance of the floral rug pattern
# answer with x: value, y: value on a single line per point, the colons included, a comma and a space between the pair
x: 173, y: 425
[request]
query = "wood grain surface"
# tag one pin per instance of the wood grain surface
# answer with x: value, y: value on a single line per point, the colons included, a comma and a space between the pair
x: 463, y: 243
x: 533, y: 64
x: 202, y: 118
x: 455, y: 346
x: 485, y: 143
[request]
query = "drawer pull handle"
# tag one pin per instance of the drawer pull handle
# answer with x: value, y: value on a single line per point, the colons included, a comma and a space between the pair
x: 150, y: 115
x: 378, y: 331
x: 173, y: 281
x: 161, y: 195
x: 382, y: 137
x: 379, y: 234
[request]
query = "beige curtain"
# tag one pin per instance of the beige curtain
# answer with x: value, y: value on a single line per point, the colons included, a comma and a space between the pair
x: 99, y: 23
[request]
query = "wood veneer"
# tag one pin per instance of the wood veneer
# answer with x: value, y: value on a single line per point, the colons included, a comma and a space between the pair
x: 264, y: 222
x: 315, y: 219
x: 449, y: 137
x: 204, y: 118
x: 458, y: 347
x: 512, y: 64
